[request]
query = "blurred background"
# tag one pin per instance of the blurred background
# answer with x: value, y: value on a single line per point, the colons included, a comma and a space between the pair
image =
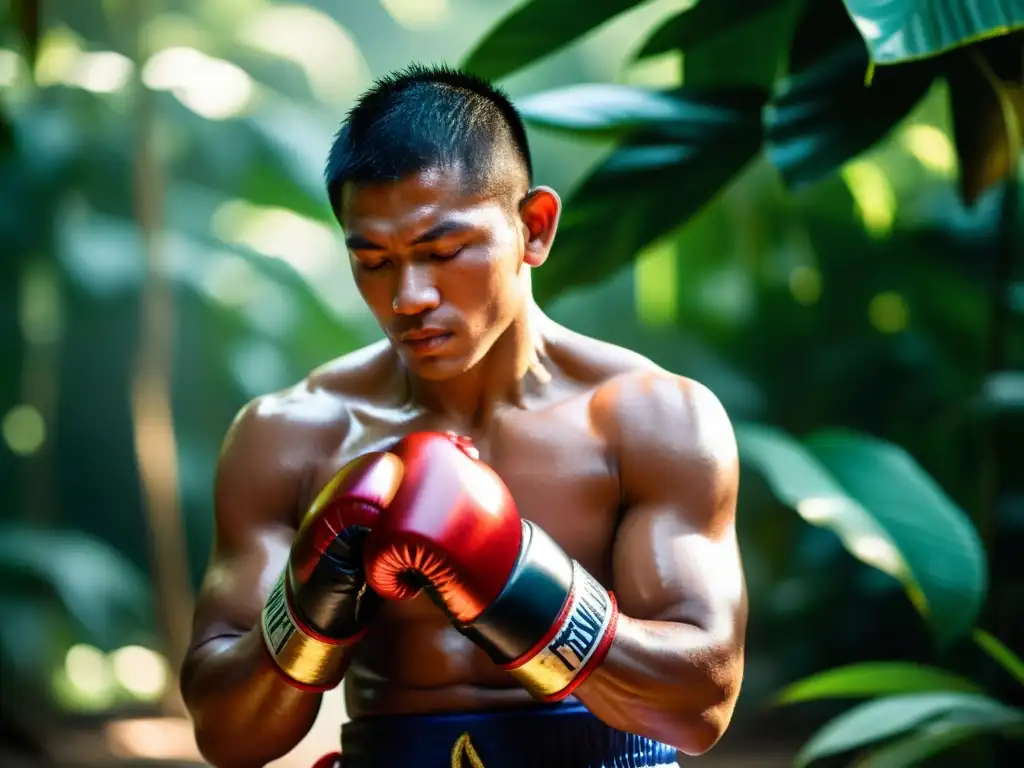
x: 812, y: 207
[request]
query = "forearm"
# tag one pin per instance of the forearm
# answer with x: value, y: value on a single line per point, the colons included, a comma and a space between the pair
x: 245, y: 713
x: 670, y: 682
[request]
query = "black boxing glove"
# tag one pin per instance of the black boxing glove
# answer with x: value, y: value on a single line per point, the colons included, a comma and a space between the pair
x: 321, y: 604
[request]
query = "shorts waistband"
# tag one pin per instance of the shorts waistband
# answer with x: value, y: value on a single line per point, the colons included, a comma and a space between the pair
x: 559, y: 736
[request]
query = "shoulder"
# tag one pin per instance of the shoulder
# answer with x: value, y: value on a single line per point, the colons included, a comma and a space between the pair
x: 590, y: 361
x: 666, y: 409
x: 318, y: 407
x: 673, y: 440
x: 277, y: 438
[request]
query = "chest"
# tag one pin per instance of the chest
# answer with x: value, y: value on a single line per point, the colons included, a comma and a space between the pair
x: 559, y: 471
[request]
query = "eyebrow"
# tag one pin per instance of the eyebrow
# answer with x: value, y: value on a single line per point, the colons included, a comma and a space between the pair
x: 360, y: 243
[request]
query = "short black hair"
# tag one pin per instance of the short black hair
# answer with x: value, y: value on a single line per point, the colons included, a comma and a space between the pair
x: 424, y: 117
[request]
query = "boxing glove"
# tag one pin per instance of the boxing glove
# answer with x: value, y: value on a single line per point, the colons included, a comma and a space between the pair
x: 453, y: 529
x: 321, y: 604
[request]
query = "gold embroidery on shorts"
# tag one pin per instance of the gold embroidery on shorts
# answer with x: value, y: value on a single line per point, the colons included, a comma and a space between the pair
x: 464, y: 750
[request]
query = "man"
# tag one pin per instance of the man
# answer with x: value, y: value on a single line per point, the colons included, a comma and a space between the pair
x: 608, y: 481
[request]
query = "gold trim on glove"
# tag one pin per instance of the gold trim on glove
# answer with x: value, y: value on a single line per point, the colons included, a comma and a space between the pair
x: 557, y: 664
x: 305, y: 659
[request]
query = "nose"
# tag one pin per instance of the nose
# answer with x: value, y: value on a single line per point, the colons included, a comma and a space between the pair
x: 416, y: 292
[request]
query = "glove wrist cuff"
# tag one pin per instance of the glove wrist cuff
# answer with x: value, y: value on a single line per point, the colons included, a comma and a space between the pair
x: 552, y: 625
x: 575, y: 645
x: 308, y: 660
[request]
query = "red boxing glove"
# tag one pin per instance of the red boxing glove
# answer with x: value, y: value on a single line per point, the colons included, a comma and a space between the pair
x: 454, y: 529
x: 321, y: 604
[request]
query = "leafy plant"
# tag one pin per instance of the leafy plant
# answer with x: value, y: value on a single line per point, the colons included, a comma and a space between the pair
x: 911, y: 712
x: 806, y: 103
x: 893, y: 517
x: 65, y: 587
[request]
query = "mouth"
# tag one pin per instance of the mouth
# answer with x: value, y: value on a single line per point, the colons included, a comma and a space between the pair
x: 425, y: 340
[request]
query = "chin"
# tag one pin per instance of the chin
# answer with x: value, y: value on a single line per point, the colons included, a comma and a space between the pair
x: 438, y: 368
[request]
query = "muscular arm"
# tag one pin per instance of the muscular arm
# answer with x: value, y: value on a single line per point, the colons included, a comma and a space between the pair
x: 245, y: 714
x: 674, y: 670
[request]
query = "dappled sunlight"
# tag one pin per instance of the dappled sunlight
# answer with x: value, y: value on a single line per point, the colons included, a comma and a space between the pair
x: 212, y: 88
x: 230, y: 280
x: 23, y: 429
x: 102, y: 72
x: 311, y: 247
x: 172, y: 30
x: 140, y: 671
x: 86, y: 680
x: 932, y: 148
x: 861, y: 534
x: 888, y: 312
x: 11, y: 66
x: 156, y: 738
x: 656, y: 283
x: 873, y: 195
x: 328, y: 54
x: 59, y: 50
x: 662, y: 71
x: 62, y: 61
x: 805, y: 284
x: 418, y: 14
x: 279, y: 233
x: 259, y: 366
x: 90, y: 679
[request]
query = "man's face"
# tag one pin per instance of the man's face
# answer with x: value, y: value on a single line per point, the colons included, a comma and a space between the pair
x: 438, y: 265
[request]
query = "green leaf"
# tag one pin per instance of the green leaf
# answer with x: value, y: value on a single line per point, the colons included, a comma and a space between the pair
x: 887, y: 512
x: 1006, y: 658
x: 822, y: 113
x: 603, y: 110
x: 938, y: 737
x: 751, y: 51
x: 701, y: 21
x: 535, y: 29
x: 650, y: 185
x: 932, y: 536
x: 874, y: 679
x: 903, y: 30
x: 987, y: 103
x: 97, y: 586
x: 298, y: 140
x: 881, y: 719
x: 798, y: 479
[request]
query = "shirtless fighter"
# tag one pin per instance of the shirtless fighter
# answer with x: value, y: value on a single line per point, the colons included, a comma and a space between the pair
x: 515, y: 544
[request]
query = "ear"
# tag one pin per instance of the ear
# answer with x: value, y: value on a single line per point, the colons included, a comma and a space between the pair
x: 540, y: 211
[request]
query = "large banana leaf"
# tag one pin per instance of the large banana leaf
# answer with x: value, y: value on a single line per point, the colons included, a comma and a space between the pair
x: 701, y: 21
x: 882, y: 719
x: 651, y: 184
x: 607, y: 110
x: 751, y: 51
x: 1006, y: 658
x: 821, y: 113
x: 987, y: 104
x: 886, y: 510
x: 874, y: 678
x: 102, y: 592
x: 936, y: 538
x: 535, y: 29
x: 903, y: 30
x: 938, y: 737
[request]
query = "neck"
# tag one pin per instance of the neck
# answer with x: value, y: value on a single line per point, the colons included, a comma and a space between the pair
x: 513, y: 368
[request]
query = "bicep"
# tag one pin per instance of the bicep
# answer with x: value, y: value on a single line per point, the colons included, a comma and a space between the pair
x: 254, y: 511
x: 676, y: 557
x: 667, y: 569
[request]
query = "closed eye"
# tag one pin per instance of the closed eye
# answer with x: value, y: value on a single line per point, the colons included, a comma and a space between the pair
x: 446, y: 255
x: 375, y: 266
